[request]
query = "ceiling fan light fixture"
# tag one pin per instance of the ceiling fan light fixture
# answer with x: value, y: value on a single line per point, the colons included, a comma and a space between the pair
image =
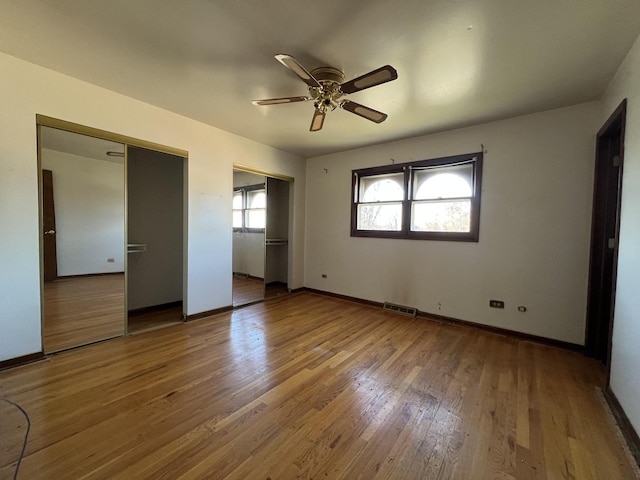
x: 327, y: 88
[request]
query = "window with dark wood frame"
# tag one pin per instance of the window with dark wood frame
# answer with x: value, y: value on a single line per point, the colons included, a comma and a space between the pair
x: 436, y: 199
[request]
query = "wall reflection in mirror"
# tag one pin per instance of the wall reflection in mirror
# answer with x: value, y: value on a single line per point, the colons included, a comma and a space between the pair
x: 83, y: 215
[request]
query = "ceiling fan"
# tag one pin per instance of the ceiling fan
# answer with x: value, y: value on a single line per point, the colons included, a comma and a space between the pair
x: 327, y: 89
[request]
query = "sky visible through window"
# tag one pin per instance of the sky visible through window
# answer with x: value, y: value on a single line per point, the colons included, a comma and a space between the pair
x: 429, y: 211
x: 387, y: 216
x: 444, y: 185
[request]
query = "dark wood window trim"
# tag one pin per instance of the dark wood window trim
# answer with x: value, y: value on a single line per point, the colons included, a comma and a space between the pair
x: 244, y: 190
x: 407, y: 168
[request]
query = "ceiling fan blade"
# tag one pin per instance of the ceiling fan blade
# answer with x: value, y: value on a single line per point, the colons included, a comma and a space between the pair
x: 364, y: 112
x: 317, y: 121
x: 376, y: 77
x: 295, y: 66
x: 277, y: 101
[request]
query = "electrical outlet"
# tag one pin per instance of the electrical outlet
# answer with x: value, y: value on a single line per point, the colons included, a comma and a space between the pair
x: 111, y: 260
x: 496, y: 303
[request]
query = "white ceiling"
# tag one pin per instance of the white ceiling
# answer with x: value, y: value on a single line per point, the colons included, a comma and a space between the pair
x: 82, y: 145
x: 459, y: 62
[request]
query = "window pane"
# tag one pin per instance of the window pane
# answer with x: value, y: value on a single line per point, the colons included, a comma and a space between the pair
x: 454, y: 216
x: 237, y: 219
x: 256, y: 199
x: 443, y: 182
x: 382, y: 188
x: 256, y: 218
x: 386, y: 216
x: 237, y: 200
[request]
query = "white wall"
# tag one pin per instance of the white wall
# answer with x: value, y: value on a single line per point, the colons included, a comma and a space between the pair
x: 248, y: 253
x: 625, y: 358
x: 534, y: 228
x: 26, y: 90
x: 155, y: 218
x: 89, y: 207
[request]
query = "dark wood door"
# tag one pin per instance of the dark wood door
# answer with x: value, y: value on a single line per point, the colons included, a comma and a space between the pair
x: 604, y: 235
x: 49, y: 228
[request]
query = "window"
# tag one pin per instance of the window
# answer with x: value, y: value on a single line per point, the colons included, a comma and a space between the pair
x: 435, y: 199
x: 238, y: 209
x: 381, y: 207
x: 249, y: 208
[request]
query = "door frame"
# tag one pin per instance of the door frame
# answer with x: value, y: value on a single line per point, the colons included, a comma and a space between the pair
x: 612, y: 129
x: 45, y: 121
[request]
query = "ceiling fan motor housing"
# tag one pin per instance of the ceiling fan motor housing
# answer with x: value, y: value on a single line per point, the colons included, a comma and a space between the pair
x: 328, y: 74
x: 326, y: 96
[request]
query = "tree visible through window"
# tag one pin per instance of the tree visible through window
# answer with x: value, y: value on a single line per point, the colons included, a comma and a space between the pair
x: 431, y: 199
x: 442, y: 199
x: 381, y: 207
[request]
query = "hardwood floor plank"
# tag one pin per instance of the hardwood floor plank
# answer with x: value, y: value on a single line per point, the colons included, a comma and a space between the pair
x: 13, y: 429
x: 154, y: 317
x: 81, y: 310
x: 247, y: 290
x: 313, y: 387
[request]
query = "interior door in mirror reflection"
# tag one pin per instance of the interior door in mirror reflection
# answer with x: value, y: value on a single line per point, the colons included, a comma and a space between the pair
x: 50, y: 263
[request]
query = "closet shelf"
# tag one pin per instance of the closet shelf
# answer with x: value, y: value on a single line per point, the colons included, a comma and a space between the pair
x: 136, y: 247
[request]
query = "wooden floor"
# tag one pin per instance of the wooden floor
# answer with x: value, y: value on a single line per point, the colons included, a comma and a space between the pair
x: 247, y: 290
x: 147, y: 319
x: 13, y: 428
x: 82, y: 310
x: 275, y: 289
x: 312, y: 387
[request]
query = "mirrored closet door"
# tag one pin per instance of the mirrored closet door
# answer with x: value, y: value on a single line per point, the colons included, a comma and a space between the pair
x: 261, y: 209
x: 113, y: 234
x: 249, y: 221
x: 83, y: 228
